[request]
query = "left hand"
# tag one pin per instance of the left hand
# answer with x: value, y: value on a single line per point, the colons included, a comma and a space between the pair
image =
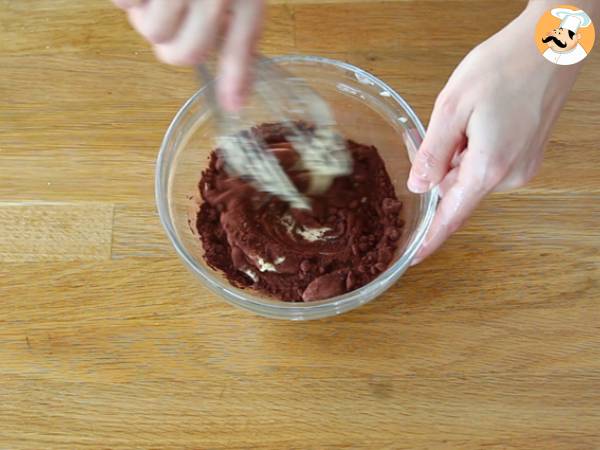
x: 184, y: 32
x: 489, y: 125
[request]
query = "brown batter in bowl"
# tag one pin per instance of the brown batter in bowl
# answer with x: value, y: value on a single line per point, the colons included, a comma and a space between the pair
x: 256, y: 240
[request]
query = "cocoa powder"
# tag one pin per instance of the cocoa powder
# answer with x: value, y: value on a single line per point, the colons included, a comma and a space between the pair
x: 346, y: 240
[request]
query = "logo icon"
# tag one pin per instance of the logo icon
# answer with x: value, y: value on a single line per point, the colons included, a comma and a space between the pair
x: 565, y: 35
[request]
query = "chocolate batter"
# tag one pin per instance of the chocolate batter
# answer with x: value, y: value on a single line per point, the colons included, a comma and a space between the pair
x: 257, y: 241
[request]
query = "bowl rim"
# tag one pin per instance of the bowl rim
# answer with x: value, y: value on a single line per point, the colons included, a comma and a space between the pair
x: 287, y: 310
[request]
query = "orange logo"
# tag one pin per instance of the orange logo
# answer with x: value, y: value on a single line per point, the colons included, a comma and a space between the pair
x: 565, y: 35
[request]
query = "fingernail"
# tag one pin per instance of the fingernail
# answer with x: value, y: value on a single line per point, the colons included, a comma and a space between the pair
x: 419, y: 256
x: 417, y: 185
x: 417, y: 259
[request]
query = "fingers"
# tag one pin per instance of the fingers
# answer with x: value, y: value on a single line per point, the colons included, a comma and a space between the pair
x: 445, y: 137
x: 238, y: 52
x: 457, y: 204
x: 462, y: 189
x: 448, y: 181
x: 158, y: 20
x: 185, y: 31
x: 196, y: 36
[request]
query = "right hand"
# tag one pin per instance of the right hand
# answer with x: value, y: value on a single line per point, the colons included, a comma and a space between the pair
x: 489, y: 125
x: 183, y: 32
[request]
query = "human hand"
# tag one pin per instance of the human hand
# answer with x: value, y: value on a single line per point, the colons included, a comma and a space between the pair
x: 489, y: 125
x: 183, y: 32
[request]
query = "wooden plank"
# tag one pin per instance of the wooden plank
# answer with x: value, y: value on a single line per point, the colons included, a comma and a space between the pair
x: 95, y: 27
x: 184, y: 415
x: 151, y: 349
x: 151, y: 315
x: 138, y: 233
x: 38, y: 231
x: 410, y: 26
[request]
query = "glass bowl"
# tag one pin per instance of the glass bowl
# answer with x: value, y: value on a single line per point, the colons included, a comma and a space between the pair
x: 366, y: 109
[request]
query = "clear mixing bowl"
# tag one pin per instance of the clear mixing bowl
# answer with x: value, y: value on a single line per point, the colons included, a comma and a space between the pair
x: 367, y: 111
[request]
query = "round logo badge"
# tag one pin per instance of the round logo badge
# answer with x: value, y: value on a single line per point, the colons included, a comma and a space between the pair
x: 565, y: 35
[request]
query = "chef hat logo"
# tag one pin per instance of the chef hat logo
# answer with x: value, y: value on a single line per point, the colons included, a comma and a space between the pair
x: 565, y: 35
x: 572, y: 20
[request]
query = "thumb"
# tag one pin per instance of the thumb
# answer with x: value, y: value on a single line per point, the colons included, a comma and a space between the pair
x: 445, y: 136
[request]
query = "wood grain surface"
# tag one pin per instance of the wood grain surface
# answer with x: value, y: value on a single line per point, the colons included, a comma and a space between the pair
x: 106, y: 341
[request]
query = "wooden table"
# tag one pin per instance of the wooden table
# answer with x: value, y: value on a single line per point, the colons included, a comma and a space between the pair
x: 106, y: 341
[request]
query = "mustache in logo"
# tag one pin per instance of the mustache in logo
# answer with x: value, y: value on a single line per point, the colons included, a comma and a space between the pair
x: 555, y: 40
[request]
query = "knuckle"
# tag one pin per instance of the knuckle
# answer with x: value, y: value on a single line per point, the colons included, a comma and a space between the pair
x: 156, y: 35
x: 426, y: 160
x: 177, y: 59
x: 453, y: 226
x: 531, y: 171
x: 180, y: 57
x: 513, y: 183
x: 521, y: 179
x: 475, y: 182
x: 446, y: 103
x: 496, y: 174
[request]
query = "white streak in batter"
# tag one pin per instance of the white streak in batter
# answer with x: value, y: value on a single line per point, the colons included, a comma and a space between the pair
x: 308, y: 234
x: 265, y: 266
x: 251, y: 274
